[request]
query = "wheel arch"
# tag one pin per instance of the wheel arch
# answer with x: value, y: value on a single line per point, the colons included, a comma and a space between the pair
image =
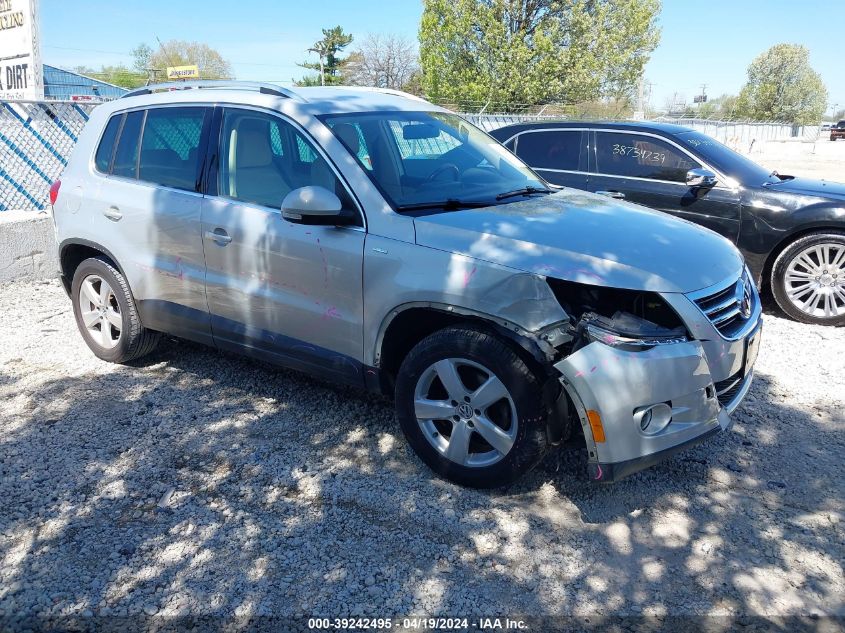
x: 72, y: 252
x: 784, y: 243
x: 407, y: 325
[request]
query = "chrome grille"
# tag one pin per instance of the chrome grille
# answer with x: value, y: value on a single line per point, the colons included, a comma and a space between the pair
x: 729, y: 308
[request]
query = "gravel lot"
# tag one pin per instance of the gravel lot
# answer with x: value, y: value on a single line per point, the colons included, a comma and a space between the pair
x: 201, y: 483
x: 820, y: 159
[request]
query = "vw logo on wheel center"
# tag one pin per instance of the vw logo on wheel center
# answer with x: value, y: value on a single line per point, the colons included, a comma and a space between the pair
x: 465, y: 411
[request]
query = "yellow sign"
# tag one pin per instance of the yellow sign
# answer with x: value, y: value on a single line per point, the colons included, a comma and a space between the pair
x: 183, y: 72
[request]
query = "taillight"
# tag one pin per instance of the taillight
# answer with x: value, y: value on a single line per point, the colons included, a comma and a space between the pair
x: 54, y: 192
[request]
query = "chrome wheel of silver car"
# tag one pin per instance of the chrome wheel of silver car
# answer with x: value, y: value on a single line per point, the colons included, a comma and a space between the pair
x: 100, y: 311
x: 465, y: 412
x: 814, y: 280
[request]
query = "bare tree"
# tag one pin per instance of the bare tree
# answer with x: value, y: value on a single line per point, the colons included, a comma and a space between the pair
x: 383, y: 61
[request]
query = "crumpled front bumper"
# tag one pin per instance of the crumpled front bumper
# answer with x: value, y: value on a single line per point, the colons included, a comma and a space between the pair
x: 611, y: 385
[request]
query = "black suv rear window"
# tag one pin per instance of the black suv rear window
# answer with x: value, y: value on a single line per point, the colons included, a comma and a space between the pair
x: 550, y: 149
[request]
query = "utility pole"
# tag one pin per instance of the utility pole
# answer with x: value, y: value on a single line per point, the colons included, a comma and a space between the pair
x: 152, y: 75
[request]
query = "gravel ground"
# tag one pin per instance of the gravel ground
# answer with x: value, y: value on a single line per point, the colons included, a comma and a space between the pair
x: 820, y: 159
x: 196, y: 482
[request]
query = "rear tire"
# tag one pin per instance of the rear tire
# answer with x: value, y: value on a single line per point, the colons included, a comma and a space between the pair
x: 812, y: 269
x: 106, y: 313
x: 482, y: 438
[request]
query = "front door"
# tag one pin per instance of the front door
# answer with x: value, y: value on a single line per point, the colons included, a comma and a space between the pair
x: 289, y: 293
x: 648, y: 170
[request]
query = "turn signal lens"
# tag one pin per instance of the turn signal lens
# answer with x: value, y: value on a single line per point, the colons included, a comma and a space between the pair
x: 595, y: 424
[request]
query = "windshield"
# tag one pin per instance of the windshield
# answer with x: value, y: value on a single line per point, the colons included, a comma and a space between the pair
x: 726, y: 160
x: 421, y: 159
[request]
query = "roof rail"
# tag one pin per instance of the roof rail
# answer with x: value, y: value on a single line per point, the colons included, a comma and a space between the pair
x: 209, y: 84
x: 387, y: 91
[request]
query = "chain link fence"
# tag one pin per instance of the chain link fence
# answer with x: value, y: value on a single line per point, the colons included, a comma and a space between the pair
x: 36, y: 140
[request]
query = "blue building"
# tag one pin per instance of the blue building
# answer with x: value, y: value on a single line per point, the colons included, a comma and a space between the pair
x: 65, y: 85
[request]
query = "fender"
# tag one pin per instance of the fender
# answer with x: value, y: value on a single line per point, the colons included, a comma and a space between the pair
x: 775, y: 221
x: 537, y: 347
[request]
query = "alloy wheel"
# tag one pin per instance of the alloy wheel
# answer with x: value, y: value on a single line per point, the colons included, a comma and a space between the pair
x: 100, y: 311
x: 465, y: 412
x: 814, y: 281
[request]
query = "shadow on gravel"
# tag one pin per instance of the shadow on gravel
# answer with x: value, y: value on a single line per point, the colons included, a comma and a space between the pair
x: 203, y: 483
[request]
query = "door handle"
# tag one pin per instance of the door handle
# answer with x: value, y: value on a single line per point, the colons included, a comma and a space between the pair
x: 218, y: 235
x: 113, y: 213
x: 612, y: 194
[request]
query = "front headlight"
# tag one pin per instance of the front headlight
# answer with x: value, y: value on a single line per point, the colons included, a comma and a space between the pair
x: 626, y: 331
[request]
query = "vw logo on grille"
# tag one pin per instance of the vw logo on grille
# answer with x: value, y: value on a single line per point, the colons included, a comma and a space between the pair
x: 745, y: 304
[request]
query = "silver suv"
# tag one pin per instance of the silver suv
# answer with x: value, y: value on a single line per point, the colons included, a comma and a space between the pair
x: 374, y: 239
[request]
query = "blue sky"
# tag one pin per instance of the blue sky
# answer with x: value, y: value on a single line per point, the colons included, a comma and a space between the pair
x: 702, y: 42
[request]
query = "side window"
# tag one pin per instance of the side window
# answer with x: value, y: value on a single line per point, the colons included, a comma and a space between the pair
x: 126, y: 155
x: 550, y: 150
x: 105, y: 150
x: 351, y: 135
x: 263, y: 158
x: 638, y: 156
x: 170, y: 147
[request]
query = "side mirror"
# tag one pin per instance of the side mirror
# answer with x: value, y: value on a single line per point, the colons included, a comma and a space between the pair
x: 315, y: 203
x: 701, y: 178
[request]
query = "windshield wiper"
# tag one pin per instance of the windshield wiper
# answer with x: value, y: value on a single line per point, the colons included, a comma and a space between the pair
x: 524, y: 191
x: 450, y: 204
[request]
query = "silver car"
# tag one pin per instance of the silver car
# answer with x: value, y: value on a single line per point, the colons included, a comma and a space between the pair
x: 374, y: 239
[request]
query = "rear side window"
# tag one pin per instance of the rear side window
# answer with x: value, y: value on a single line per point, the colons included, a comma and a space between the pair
x: 170, y: 147
x: 636, y: 156
x: 102, y: 159
x: 126, y: 156
x: 550, y: 150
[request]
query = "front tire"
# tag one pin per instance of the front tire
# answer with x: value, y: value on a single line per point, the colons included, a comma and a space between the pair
x: 471, y: 408
x: 106, y: 314
x: 808, y: 279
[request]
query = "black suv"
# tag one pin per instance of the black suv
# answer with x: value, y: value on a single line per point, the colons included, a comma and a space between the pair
x: 837, y: 131
x: 791, y: 230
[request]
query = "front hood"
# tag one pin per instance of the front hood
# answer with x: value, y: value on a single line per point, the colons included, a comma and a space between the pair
x: 579, y: 236
x: 808, y: 186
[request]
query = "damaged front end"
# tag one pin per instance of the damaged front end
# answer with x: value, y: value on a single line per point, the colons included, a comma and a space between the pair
x: 639, y: 382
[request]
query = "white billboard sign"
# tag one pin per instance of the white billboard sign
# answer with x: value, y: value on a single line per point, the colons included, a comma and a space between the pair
x: 21, y: 74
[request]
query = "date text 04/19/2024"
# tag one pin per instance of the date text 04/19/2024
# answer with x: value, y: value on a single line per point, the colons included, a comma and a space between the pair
x: 417, y: 624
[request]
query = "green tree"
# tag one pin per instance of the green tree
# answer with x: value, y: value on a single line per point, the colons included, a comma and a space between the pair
x: 327, y: 48
x: 142, y: 56
x: 506, y: 53
x: 782, y: 86
x: 118, y: 75
x: 723, y: 107
x: 210, y: 62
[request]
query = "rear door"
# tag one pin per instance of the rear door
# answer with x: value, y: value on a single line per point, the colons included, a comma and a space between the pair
x: 147, y: 209
x: 650, y: 170
x: 558, y: 155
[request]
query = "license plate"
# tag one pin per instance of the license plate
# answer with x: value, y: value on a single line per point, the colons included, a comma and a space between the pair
x: 752, y: 349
